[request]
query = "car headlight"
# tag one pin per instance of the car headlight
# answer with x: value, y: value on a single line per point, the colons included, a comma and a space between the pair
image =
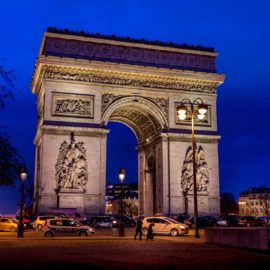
x: 182, y: 227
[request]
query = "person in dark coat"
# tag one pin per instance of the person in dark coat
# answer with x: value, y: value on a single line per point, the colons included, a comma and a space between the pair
x: 138, y: 229
x: 150, y: 233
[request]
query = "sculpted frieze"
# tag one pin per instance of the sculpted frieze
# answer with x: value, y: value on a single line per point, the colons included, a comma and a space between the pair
x: 72, y: 105
x: 202, y: 174
x: 71, y: 166
x: 115, y: 79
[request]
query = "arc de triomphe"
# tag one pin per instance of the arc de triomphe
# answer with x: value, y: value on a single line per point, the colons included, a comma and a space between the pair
x: 84, y: 81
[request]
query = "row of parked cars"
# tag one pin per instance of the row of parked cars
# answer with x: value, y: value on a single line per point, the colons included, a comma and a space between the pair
x: 105, y: 221
x: 67, y: 226
x: 224, y: 221
x: 164, y: 225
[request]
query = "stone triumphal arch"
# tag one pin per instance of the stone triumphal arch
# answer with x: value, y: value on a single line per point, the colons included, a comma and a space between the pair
x: 84, y: 81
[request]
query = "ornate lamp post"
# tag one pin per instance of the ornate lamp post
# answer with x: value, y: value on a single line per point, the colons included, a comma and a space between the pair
x: 197, y: 109
x: 121, y: 175
x: 23, y: 176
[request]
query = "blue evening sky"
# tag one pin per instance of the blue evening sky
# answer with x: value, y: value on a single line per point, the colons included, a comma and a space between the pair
x: 239, y: 30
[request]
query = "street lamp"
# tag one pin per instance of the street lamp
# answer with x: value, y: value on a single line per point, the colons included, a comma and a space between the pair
x: 197, y: 110
x: 23, y: 176
x: 121, y: 175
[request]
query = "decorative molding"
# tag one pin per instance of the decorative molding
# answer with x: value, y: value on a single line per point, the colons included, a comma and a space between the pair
x: 162, y: 103
x: 107, y: 100
x: 72, y: 105
x: 71, y: 166
x: 117, y: 78
x: 202, y: 173
x: 122, y: 53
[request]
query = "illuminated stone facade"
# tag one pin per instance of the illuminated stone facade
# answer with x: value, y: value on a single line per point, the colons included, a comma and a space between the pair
x: 254, y: 202
x: 83, y: 82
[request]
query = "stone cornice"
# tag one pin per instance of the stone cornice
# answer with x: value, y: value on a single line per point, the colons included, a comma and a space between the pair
x: 65, y: 130
x: 53, y: 32
x: 175, y: 81
x: 128, y: 54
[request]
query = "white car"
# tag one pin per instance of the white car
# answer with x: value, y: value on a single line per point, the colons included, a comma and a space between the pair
x: 164, y: 225
x: 66, y: 226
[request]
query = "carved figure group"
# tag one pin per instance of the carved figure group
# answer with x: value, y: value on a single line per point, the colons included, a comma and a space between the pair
x: 71, y: 166
x: 202, y: 175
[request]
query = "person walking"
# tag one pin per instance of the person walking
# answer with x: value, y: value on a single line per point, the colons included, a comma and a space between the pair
x: 138, y: 229
x: 150, y: 234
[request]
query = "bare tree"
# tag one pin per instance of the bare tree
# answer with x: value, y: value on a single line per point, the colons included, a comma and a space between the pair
x: 10, y: 160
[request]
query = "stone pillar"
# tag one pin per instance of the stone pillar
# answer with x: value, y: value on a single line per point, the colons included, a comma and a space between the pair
x: 148, y: 205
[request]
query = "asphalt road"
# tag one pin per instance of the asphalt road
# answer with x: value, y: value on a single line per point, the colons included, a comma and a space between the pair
x: 105, y: 250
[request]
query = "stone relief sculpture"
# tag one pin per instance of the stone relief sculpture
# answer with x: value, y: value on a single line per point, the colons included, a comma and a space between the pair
x: 192, y: 86
x: 202, y: 175
x: 73, y: 106
x: 71, y: 166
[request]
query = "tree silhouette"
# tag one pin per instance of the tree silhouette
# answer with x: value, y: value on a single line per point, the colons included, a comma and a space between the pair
x: 228, y: 204
x: 10, y: 160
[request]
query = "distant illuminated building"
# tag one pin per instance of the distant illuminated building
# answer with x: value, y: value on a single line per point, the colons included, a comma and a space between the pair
x: 130, y: 199
x: 255, y: 202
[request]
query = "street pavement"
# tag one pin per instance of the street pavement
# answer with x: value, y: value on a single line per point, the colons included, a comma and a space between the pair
x: 106, y: 250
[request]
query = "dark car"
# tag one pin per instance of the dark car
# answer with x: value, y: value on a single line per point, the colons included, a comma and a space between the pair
x: 264, y: 220
x: 128, y: 221
x: 101, y: 222
x: 182, y: 217
x: 249, y: 221
x: 228, y: 221
x: 202, y: 221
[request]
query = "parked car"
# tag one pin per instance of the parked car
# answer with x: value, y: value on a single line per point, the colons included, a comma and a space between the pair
x: 264, y: 219
x: 164, y: 225
x: 66, y: 226
x: 70, y: 212
x: 8, y: 225
x: 128, y: 221
x: 101, y: 222
x: 228, y: 221
x: 182, y: 217
x: 40, y: 221
x: 202, y: 221
x: 249, y: 221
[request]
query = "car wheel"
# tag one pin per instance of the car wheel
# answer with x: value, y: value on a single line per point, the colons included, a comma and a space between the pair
x: 39, y: 227
x: 48, y: 234
x: 174, y: 232
x: 83, y: 234
x: 144, y: 231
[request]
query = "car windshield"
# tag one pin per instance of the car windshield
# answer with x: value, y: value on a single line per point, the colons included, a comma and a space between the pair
x: 171, y: 220
x: 15, y: 220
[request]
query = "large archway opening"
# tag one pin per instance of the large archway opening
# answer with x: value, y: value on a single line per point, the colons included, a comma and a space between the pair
x: 121, y: 152
x: 144, y: 122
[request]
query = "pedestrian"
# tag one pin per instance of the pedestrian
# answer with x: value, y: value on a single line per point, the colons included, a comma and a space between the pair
x: 138, y: 228
x: 150, y: 234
